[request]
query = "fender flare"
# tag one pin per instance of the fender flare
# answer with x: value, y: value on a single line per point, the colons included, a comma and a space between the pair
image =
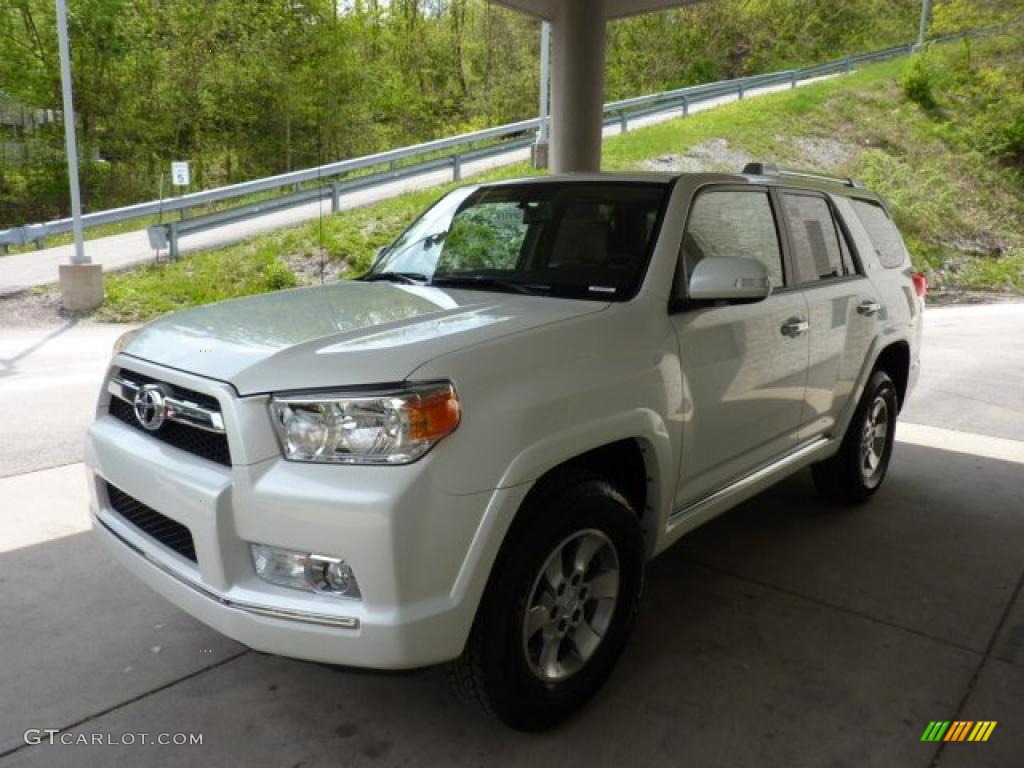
x: 878, y: 346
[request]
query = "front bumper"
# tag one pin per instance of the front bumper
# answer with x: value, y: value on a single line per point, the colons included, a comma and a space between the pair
x: 421, y: 556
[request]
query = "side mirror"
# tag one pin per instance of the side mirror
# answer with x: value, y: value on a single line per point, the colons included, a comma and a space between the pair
x: 729, y: 278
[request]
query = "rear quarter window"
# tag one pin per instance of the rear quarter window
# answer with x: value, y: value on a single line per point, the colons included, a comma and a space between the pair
x: 884, y: 236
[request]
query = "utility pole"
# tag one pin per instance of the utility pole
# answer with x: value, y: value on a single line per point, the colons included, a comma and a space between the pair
x: 81, y: 281
x: 926, y: 13
x: 539, y: 153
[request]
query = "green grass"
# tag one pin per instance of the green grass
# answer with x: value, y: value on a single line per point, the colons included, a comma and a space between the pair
x: 960, y: 208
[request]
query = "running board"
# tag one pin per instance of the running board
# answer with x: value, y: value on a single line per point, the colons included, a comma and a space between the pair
x: 799, y: 456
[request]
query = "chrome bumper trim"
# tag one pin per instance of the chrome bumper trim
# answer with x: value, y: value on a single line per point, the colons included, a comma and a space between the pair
x: 341, y: 622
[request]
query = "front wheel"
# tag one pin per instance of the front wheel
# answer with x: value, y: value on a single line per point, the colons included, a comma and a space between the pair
x: 858, y: 469
x: 559, y: 607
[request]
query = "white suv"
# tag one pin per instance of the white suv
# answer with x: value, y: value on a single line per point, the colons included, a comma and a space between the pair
x: 469, y: 454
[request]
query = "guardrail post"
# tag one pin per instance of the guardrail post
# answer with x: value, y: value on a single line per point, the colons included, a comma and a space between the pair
x: 335, y: 197
x: 792, y: 79
x: 172, y: 240
x: 846, y: 65
x: 739, y: 89
x: 456, y: 167
x: 40, y: 244
x: 623, y: 122
x: 686, y: 105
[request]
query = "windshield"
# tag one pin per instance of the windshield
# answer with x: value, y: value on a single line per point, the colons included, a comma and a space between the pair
x: 576, y: 239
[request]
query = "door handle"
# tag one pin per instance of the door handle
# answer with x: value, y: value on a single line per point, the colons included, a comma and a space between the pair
x: 868, y: 308
x: 794, y: 327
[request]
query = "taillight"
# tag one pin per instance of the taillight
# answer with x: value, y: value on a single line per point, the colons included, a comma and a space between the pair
x: 920, y: 284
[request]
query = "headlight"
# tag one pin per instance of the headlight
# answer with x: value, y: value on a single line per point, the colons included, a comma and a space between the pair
x: 394, y: 427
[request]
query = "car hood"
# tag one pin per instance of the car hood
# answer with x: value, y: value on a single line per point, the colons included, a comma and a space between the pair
x: 344, y: 334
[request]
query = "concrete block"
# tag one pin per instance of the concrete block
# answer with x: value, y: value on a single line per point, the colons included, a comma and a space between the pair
x: 81, y: 286
x: 539, y: 154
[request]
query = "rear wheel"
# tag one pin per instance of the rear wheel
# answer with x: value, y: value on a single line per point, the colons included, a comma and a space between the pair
x: 858, y: 469
x: 559, y: 606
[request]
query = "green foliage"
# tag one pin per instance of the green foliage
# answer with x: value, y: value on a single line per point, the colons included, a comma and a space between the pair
x: 249, y: 88
x: 954, y: 15
x: 484, y: 237
x: 961, y: 211
x: 917, y: 81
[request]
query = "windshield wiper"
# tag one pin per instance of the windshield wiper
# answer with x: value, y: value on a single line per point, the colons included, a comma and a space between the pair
x: 485, y: 281
x: 406, y: 278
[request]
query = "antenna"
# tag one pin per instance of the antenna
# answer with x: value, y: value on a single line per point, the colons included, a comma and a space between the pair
x: 319, y: 183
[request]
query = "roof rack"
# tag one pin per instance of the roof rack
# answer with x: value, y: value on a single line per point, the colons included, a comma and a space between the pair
x: 771, y: 169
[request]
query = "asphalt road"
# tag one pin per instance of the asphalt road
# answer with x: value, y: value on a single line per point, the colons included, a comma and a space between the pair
x: 786, y: 633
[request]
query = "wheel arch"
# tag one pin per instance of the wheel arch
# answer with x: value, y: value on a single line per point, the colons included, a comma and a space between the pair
x: 894, y: 359
x: 891, y: 355
x: 632, y: 451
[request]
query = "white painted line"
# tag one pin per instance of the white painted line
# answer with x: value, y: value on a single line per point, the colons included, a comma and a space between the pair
x: 961, y: 442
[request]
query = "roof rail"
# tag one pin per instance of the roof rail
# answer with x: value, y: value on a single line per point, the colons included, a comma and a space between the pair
x: 771, y: 169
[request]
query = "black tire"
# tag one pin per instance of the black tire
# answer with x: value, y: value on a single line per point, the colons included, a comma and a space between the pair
x: 497, y: 668
x: 850, y: 477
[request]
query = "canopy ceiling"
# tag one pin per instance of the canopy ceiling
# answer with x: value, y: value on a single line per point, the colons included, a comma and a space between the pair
x: 613, y: 9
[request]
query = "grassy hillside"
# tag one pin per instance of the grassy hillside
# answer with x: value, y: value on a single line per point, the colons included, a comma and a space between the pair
x: 940, y: 134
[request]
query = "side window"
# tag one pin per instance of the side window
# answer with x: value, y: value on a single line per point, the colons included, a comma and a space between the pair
x: 816, y: 250
x: 883, y: 233
x: 733, y: 223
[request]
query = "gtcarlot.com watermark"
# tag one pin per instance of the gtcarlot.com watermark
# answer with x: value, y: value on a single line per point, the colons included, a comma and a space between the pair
x: 71, y: 738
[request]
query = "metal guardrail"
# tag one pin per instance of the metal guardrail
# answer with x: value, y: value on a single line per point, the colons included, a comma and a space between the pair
x: 396, y: 166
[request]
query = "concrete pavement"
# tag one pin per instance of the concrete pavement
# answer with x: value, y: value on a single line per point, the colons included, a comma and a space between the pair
x: 48, y: 380
x: 786, y: 633
x: 26, y: 270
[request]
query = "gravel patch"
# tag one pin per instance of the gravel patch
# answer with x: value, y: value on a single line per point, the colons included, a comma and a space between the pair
x: 717, y: 155
x: 820, y: 153
x: 316, y: 268
x: 708, y: 156
x: 35, y: 308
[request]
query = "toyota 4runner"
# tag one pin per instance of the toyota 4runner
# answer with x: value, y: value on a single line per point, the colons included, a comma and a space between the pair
x: 469, y: 454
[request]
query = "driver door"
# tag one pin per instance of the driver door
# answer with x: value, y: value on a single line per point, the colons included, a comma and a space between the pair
x: 744, y: 365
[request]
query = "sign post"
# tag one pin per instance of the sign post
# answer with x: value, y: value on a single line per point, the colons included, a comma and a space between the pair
x: 539, y: 150
x: 81, y: 281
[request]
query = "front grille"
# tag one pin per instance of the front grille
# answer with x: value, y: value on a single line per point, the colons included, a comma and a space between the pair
x: 212, y: 446
x: 170, y: 533
x: 207, y: 401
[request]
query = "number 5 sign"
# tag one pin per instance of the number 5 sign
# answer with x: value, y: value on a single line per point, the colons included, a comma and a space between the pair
x: 179, y: 174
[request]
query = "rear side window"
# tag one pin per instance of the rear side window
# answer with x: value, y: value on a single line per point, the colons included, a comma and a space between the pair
x: 733, y: 223
x: 883, y: 233
x: 817, y: 253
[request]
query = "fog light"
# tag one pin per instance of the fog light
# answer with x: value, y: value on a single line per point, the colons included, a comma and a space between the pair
x: 305, y: 570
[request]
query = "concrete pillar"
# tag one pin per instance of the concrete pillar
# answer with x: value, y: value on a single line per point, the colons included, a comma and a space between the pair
x: 577, y: 85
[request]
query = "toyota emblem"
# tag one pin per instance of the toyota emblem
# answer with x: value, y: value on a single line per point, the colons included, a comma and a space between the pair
x: 149, y: 407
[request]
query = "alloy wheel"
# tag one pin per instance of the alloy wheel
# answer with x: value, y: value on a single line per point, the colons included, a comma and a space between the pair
x: 571, y: 605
